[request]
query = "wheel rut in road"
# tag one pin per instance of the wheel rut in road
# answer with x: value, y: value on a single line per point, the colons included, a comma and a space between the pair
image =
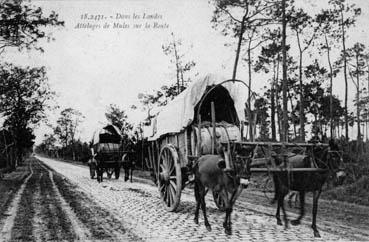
x: 48, y: 208
x: 8, y: 224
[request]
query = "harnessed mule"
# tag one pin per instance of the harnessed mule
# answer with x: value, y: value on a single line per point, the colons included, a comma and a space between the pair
x: 326, y: 158
x: 210, y: 173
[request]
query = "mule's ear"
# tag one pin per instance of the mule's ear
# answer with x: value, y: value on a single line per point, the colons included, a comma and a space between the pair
x: 221, y: 164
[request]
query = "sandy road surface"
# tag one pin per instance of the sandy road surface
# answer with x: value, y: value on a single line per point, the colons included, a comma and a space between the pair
x: 137, y: 207
x: 47, y: 208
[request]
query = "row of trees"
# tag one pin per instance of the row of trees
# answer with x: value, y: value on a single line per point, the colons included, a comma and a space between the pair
x: 266, y: 25
x: 63, y: 141
x: 302, y: 55
x: 24, y: 91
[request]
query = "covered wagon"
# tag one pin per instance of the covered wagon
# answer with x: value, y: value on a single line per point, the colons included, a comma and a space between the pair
x: 207, y: 113
x: 107, y: 152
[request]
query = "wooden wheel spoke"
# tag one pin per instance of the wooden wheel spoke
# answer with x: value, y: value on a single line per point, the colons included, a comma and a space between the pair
x: 165, y: 160
x: 172, y: 178
x: 173, y: 185
x: 171, y: 166
x: 162, y: 187
x: 169, y: 197
x: 172, y: 193
x: 165, y: 193
x: 169, y: 159
x: 162, y: 168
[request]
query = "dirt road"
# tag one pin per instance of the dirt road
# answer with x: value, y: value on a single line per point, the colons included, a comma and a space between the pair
x: 59, y: 201
x: 47, y: 207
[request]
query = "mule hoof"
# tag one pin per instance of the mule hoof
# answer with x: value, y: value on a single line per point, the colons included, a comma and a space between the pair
x: 208, y: 227
x: 295, y: 222
x: 316, y: 234
x: 196, y: 220
x: 279, y: 222
x: 228, y: 231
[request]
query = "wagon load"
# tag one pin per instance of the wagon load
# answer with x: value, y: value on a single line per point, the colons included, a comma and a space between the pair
x: 106, y: 151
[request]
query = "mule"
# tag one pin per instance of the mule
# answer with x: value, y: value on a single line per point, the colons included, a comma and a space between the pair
x: 210, y: 173
x: 128, y: 165
x: 327, y: 158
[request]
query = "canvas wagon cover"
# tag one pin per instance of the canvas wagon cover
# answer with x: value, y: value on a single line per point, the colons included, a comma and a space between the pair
x: 106, y: 134
x: 179, y: 113
x: 106, y: 143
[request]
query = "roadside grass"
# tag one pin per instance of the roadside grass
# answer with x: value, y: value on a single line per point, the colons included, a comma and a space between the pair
x: 9, y: 186
x: 356, y: 192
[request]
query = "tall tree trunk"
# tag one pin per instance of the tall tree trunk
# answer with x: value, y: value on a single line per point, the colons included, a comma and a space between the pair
x: 242, y: 30
x: 279, y: 110
x: 330, y: 87
x: 284, y: 67
x: 272, y: 103
x: 177, y: 65
x: 301, y: 110
x: 345, y: 74
x: 357, y: 104
x: 249, y: 100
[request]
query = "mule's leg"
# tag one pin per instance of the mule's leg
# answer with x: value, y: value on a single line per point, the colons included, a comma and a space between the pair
x: 228, y: 226
x: 302, y: 209
x: 284, y: 211
x: 224, y: 196
x: 203, y: 206
x: 235, y: 195
x: 276, y: 190
x: 280, y: 196
x: 197, y: 196
x: 99, y: 174
x: 277, y: 215
x: 126, y: 173
x: 316, y: 195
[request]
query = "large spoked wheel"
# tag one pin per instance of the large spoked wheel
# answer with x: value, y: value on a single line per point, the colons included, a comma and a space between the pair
x: 219, y: 202
x: 170, y: 178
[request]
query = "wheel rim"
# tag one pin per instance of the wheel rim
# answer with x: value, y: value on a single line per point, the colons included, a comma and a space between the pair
x: 219, y: 202
x: 170, y: 178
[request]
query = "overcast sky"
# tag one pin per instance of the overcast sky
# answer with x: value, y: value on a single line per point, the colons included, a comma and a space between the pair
x: 89, y: 69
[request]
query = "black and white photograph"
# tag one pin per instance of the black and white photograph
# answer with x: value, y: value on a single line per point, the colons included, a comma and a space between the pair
x: 184, y: 120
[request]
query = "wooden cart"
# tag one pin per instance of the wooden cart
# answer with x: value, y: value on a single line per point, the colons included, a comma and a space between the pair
x: 210, y: 118
x: 107, y: 152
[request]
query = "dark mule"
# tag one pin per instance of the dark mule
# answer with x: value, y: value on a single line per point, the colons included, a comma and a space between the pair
x: 327, y: 158
x: 210, y: 174
x: 128, y: 165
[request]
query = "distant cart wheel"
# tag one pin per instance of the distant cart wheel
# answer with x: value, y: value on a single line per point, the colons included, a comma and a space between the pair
x: 219, y: 202
x: 170, y: 178
x: 117, y: 171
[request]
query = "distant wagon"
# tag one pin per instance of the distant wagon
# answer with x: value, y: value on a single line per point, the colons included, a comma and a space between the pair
x: 107, y: 152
